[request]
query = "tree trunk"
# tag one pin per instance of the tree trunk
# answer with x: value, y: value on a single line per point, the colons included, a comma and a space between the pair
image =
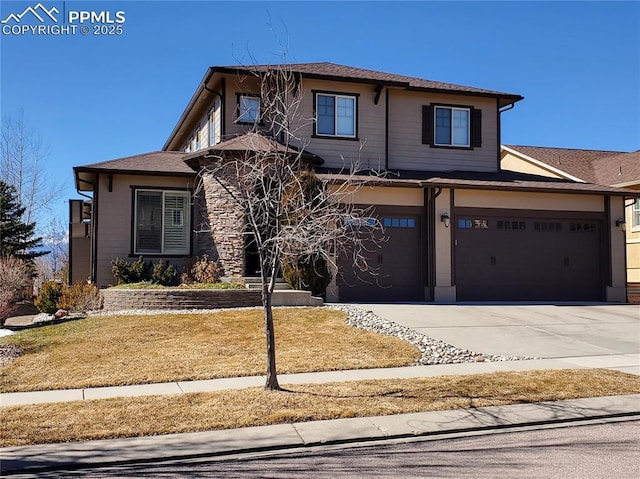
x: 272, y: 376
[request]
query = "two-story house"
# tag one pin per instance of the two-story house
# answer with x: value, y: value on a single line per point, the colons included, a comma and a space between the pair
x: 458, y: 226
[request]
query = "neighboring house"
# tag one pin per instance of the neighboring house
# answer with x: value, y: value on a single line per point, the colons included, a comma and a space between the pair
x: 458, y: 226
x: 611, y: 168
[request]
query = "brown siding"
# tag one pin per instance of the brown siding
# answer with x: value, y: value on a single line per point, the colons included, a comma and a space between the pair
x: 406, y: 151
x: 115, y: 215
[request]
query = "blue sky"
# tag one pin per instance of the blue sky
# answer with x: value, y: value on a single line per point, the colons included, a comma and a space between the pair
x: 95, y: 98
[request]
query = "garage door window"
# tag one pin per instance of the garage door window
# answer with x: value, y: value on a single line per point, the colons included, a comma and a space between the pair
x: 399, y: 222
x: 478, y: 224
x: 512, y: 225
x: 582, y: 227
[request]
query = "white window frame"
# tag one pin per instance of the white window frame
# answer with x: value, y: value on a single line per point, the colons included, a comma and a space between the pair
x: 197, y: 136
x: 335, y: 97
x: 242, y: 97
x: 184, y: 222
x: 635, y: 215
x: 212, y: 127
x: 451, y: 143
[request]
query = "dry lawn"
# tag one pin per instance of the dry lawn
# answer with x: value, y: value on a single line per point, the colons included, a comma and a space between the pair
x: 120, y: 350
x: 142, y: 416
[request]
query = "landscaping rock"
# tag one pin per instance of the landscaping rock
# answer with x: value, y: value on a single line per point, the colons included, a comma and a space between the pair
x: 433, y: 351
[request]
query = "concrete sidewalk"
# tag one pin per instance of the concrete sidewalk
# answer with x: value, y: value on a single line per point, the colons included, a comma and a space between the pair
x: 279, y: 438
x: 629, y: 363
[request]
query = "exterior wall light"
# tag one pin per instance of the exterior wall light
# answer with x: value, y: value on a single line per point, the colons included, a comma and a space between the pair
x: 444, y: 217
x: 620, y: 223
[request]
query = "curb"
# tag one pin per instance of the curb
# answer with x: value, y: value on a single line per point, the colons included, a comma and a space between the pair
x: 302, y: 436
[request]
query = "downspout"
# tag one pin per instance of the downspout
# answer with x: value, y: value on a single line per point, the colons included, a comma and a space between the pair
x: 500, y: 112
x: 386, y: 130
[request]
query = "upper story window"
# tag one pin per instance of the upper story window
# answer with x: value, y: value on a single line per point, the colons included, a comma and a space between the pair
x: 197, y: 145
x: 635, y: 215
x: 161, y: 222
x: 212, y: 128
x: 336, y: 115
x: 451, y: 126
x: 248, y: 109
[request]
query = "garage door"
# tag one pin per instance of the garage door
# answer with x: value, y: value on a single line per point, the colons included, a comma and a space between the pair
x: 397, y: 262
x: 539, y: 258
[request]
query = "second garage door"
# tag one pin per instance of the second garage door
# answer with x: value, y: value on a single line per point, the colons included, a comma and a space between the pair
x: 397, y: 261
x: 500, y: 255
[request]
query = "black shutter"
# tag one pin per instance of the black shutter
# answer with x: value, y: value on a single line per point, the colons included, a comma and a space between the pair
x: 476, y: 128
x: 427, y: 125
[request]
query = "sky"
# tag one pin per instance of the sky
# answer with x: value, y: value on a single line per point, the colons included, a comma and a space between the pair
x: 95, y: 97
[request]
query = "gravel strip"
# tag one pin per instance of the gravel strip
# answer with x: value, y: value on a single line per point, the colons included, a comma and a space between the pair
x: 433, y: 351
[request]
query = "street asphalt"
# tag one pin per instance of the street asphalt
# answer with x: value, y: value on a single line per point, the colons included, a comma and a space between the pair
x: 563, y: 336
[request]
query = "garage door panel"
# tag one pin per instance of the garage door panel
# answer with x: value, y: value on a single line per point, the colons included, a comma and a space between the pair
x: 396, y: 261
x: 535, y: 258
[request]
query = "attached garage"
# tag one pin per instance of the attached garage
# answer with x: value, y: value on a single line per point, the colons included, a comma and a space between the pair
x: 397, y: 263
x: 516, y: 255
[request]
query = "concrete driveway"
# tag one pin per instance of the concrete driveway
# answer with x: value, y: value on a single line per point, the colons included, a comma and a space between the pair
x: 540, y: 330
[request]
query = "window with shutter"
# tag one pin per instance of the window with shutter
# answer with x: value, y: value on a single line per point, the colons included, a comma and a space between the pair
x: 451, y: 126
x: 162, y: 222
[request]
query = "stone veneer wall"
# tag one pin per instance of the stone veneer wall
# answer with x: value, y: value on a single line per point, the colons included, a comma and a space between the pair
x: 124, y: 299
x: 225, y: 241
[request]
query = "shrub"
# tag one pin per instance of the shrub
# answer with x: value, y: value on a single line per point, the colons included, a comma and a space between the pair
x: 140, y: 271
x: 307, y: 273
x: 14, y: 281
x: 48, y: 296
x: 205, y: 270
x: 164, y: 273
x: 134, y: 272
x: 80, y: 297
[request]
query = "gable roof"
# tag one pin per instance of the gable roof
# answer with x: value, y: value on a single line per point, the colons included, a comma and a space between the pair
x: 583, y: 165
x: 336, y: 72
x: 156, y: 163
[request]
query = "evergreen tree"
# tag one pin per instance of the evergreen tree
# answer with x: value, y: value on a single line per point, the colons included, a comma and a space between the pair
x: 16, y: 237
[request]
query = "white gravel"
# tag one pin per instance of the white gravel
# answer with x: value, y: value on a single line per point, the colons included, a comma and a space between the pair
x: 433, y: 351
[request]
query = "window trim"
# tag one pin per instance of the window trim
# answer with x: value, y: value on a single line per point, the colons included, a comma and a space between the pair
x: 356, y: 101
x: 211, y: 122
x: 186, y: 218
x: 635, y: 211
x: 239, y: 97
x: 451, y: 143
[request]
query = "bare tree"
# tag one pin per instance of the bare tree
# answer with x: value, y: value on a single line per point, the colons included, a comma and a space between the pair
x: 266, y: 181
x: 22, y: 165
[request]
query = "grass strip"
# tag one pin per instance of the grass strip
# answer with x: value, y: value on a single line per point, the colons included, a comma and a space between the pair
x: 121, y: 350
x: 144, y: 416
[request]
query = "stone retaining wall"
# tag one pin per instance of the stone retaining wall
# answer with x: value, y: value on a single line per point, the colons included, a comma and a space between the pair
x: 122, y: 299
